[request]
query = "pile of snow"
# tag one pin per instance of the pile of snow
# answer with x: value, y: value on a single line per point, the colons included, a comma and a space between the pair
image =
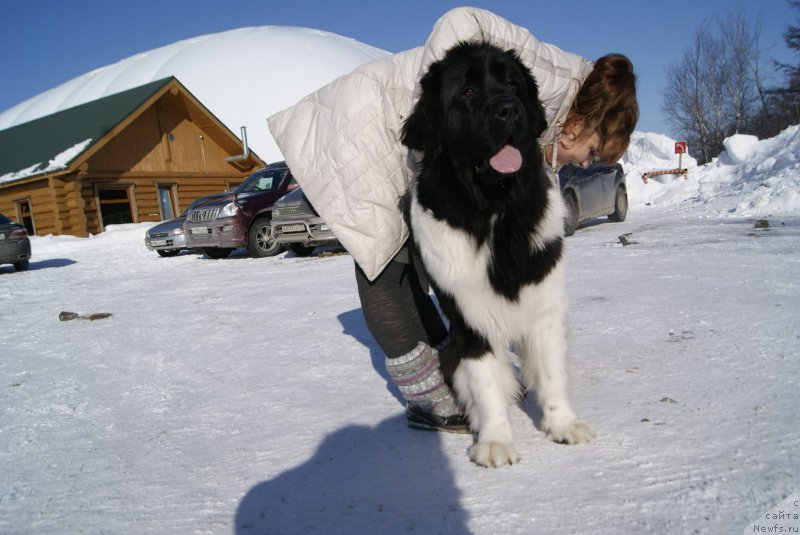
x: 751, y: 177
x: 242, y: 76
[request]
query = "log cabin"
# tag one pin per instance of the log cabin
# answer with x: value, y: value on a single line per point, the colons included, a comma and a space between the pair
x: 138, y: 155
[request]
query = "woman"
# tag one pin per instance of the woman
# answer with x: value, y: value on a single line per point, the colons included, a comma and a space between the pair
x: 343, y: 145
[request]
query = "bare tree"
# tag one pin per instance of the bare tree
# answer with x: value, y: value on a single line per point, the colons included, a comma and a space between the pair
x: 712, y: 91
x: 692, y: 99
x: 739, y: 40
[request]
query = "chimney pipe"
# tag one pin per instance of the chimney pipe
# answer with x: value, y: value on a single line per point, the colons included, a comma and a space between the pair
x: 245, y: 148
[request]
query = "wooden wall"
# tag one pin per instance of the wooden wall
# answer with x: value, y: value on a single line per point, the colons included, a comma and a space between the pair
x: 40, y: 198
x: 160, y: 147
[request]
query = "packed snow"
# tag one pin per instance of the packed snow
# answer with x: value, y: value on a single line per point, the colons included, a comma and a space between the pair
x: 247, y: 395
x: 242, y: 76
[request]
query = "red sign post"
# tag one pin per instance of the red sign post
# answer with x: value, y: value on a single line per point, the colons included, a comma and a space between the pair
x: 680, y: 150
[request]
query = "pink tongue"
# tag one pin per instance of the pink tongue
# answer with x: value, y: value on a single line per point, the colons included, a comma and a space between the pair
x: 507, y: 160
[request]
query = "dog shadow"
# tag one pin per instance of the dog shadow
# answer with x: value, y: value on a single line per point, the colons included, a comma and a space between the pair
x: 385, y: 479
x: 527, y: 400
x: 530, y: 407
x: 353, y: 324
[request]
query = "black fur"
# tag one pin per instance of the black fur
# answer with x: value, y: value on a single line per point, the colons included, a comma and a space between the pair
x: 474, y: 101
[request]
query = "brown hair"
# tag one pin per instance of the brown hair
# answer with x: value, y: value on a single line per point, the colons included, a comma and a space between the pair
x: 607, y: 104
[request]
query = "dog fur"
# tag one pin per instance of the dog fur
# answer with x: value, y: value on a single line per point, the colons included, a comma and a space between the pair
x: 488, y: 224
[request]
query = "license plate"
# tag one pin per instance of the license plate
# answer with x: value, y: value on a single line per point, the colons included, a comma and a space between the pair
x: 199, y: 230
x: 2, y: 236
x: 293, y: 228
x: 158, y: 243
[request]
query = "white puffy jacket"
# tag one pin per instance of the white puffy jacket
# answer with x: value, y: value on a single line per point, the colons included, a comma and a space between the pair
x: 342, y: 142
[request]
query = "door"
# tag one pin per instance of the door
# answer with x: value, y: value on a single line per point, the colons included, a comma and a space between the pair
x: 590, y: 192
x: 166, y: 202
x: 25, y: 215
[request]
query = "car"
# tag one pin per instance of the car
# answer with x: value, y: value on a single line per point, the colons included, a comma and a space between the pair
x: 598, y: 190
x: 168, y: 237
x: 296, y: 224
x: 15, y: 245
x: 241, y: 218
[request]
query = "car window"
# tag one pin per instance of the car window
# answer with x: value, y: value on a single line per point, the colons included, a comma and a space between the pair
x: 4, y: 220
x: 263, y: 180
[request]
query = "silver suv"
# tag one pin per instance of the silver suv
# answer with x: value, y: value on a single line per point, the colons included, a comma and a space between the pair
x: 296, y: 224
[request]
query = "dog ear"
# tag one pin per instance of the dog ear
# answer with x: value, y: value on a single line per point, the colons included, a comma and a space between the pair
x: 416, y: 130
x: 419, y: 129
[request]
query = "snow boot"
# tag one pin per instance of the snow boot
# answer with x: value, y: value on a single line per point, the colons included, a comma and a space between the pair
x: 431, y: 403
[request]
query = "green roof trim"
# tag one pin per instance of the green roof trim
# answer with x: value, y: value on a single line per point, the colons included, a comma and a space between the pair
x: 27, y: 150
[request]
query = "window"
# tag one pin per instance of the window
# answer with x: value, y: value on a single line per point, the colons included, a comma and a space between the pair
x: 115, y: 205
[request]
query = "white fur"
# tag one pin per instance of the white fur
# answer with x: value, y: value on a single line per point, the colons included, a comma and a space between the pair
x: 535, y: 324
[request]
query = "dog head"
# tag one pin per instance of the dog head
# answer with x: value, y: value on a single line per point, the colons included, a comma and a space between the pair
x: 480, y: 108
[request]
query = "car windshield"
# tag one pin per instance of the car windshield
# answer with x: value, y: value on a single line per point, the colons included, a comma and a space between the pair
x: 4, y: 220
x: 266, y: 180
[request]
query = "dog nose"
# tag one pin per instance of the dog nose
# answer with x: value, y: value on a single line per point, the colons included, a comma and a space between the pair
x: 506, y: 111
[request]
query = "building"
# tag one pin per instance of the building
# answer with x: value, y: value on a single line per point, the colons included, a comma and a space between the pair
x: 139, y: 155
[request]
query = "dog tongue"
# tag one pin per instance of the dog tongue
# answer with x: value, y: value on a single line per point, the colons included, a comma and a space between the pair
x: 507, y: 160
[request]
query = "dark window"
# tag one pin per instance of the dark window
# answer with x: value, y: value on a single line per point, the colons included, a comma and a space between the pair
x: 115, y: 206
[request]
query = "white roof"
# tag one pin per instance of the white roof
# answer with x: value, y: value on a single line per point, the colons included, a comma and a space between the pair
x: 242, y: 76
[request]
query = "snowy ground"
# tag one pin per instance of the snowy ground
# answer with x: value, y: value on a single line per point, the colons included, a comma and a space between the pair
x: 247, y: 396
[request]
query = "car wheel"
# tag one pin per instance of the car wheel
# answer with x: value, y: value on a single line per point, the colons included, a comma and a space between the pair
x: 571, y: 217
x: 22, y: 265
x: 298, y: 249
x: 168, y: 252
x: 260, y: 242
x: 620, y: 206
x: 215, y: 253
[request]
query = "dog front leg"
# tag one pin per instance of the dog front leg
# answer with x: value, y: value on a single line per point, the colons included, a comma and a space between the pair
x: 544, y: 362
x: 486, y: 385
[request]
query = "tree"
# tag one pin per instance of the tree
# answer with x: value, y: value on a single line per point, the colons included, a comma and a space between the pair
x: 712, y: 91
x: 783, y: 107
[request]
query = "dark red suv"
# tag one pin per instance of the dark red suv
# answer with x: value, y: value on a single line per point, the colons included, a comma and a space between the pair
x: 242, y: 218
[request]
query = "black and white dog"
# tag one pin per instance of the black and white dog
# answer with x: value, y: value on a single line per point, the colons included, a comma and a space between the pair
x: 489, y: 223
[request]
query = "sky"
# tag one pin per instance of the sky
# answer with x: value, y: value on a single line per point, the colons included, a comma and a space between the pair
x: 47, y: 42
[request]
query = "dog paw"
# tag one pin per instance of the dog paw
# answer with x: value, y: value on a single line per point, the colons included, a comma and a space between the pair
x: 493, y: 454
x: 575, y: 432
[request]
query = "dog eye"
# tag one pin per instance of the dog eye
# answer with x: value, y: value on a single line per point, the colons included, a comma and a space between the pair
x: 511, y: 86
x: 470, y: 92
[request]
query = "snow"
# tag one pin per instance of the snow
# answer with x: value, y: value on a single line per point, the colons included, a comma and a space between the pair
x: 242, y: 76
x: 60, y: 161
x: 247, y: 395
x: 750, y: 178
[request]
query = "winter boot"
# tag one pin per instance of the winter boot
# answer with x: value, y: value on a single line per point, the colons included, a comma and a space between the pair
x: 431, y: 403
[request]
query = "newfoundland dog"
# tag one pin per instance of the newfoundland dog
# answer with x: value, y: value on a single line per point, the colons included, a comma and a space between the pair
x: 488, y: 223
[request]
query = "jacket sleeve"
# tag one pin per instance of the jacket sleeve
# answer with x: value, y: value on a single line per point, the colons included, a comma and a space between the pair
x: 558, y: 74
x: 342, y: 144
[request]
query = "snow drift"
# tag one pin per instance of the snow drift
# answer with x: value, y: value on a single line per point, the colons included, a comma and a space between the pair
x: 751, y: 177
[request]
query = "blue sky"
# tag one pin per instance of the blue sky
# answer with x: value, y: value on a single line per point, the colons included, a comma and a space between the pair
x: 47, y: 42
